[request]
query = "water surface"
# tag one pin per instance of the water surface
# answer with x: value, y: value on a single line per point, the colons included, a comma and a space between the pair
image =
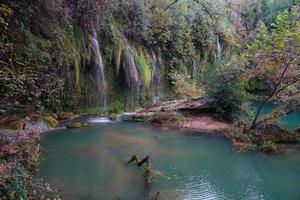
x: 290, y: 121
x: 91, y: 164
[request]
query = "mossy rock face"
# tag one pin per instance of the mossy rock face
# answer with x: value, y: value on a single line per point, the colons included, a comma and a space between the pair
x: 50, y: 121
x: 76, y: 125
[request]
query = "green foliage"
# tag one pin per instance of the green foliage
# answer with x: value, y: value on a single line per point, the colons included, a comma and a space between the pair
x: 226, y: 90
x: 270, y: 9
x: 115, y: 107
x: 92, y: 111
x: 185, y: 87
x: 275, y: 58
x: 46, y: 46
x: 14, y: 188
x: 268, y: 147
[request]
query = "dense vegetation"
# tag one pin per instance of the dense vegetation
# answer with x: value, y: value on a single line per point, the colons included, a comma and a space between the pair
x: 50, y: 58
x: 107, y: 56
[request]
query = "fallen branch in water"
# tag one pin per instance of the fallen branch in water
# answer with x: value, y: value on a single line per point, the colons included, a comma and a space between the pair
x: 148, y: 175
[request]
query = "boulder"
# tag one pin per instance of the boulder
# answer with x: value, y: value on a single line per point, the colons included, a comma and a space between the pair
x: 50, y: 121
x: 113, y: 117
x: 66, y: 116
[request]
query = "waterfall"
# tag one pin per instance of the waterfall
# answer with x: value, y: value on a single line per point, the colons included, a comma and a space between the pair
x: 219, y: 48
x: 131, y: 74
x: 99, y: 71
x: 157, y: 77
x: 194, y: 69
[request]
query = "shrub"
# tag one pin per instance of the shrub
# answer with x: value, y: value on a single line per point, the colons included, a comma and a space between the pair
x: 115, y: 108
x: 226, y: 90
x: 268, y: 147
x: 185, y: 87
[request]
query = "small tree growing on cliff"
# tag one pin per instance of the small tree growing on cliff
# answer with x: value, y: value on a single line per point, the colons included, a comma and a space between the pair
x: 275, y: 58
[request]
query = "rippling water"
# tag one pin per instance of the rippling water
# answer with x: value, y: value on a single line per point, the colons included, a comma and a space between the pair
x: 90, y: 164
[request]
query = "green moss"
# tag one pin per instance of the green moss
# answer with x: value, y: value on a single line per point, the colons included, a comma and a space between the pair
x: 50, y: 121
x: 143, y: 67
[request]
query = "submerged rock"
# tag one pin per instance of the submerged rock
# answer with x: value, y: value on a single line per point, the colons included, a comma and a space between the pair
x: 75, y: 125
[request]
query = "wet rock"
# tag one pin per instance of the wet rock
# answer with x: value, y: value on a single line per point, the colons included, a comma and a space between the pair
x: 113, y: 117
x: 50, y: 121
x: 75, y: 125
x: 66, y: 116
x: 137, y: 117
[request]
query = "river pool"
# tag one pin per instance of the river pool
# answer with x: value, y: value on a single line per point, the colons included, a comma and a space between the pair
x: 90, y: 164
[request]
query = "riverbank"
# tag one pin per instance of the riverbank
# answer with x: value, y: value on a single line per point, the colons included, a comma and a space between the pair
x: 197, y: 115
x: 193, y: 115
x: 20, y: 156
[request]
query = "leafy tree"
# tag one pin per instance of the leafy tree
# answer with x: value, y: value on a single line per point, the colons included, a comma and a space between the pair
x: 225, y: 89
x: 275, y: 57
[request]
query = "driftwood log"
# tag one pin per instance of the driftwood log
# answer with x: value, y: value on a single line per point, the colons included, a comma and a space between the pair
x: 148, y: 175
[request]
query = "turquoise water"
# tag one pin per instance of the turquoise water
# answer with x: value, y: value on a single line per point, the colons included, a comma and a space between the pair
x: 90, y: 164
x: 291, y: 121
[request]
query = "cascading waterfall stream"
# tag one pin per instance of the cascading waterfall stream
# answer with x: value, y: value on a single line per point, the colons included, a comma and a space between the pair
x: 156, y: 63
x: 131, y: 74
x: 99, y: 71
x: 219, y: 48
